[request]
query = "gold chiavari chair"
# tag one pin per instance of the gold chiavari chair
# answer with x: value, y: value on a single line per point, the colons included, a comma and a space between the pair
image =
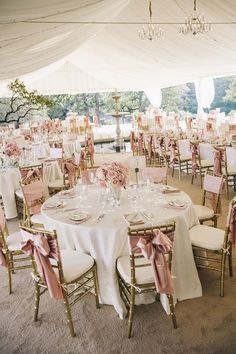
x: 155, y: 174
x: 135, y: 273
x: 10, y: 248
x: 34, y: 197
x: 229, y: 169
x: 69, y: 176
x: 212, y: 187
x: 211, y: 246
x: 183, y: 158
x: 76, y: 273
x: 26, y: 172
x: 203, y: 163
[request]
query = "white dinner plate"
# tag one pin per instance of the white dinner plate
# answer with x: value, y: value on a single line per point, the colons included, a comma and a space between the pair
x: 78, y: 216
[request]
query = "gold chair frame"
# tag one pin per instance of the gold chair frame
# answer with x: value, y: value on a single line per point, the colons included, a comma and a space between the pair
x: 70, y: 297
x: 216, y: 257
x: 183, y: 164
x: 227, y: 177
x: 13, y: 258
x: 129, y: 290
x: 200, y: 169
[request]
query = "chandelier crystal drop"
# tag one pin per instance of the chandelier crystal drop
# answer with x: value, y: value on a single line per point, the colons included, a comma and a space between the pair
x: 152, y: 31
x: 195, y: 23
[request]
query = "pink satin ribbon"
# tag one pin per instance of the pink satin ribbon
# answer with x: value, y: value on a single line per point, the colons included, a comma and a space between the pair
x: 140, y: 143
x: 172, y: 146
x: 194, y: 150
x: 90, y: 147
x: 218, y: 159
x: 33, y: 194
x: 155, y: 250
x: 149, y: 145
x: 132, y: 141
x: 71, y: 171
x: 231, y: 223
x: 43, y: 250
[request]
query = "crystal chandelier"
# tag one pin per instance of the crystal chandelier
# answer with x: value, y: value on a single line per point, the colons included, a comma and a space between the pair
x: 152, y: 31
x: 195, y: 23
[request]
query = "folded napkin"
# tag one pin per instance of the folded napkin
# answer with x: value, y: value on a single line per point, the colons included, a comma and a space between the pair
x: 176, y: 204
x: 53, y: 205
x: 168, y: 189
x: 134, y: 219
x: 77, y: 222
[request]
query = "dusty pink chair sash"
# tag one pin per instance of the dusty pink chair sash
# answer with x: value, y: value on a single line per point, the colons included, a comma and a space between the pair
x: 3, y: 261
x: 194, y: 150
x: 140, y: 143
x: 149, y: 146
x: 95, y: 121
x: 155, y: 174
x: 43, y: 250
x: 85, y: 177
x: 173, y: 157
x: 27, y: 175
x: 82, y: 162
x: 71, y: 171
x: 132, y: 141
x: 86, y: 122
x: 231, y: 223
x: 90, y: 147
x: 155, y: 250
x: 33, y: 194
x: 158, y: 121
x: 218, y: 159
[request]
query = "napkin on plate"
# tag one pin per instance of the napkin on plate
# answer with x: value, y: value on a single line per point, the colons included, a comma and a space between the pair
x: 169, y: 189
x: 53, y: 205
x: 134, y: 219
x: 176, y: 204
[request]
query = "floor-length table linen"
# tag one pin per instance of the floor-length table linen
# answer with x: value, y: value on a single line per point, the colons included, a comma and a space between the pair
x: 107, y: 240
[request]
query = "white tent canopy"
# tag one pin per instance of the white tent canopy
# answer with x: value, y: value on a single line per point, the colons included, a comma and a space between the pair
x: 46, y: 45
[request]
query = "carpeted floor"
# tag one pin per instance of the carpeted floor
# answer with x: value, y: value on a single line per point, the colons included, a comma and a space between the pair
x: 205, y: 325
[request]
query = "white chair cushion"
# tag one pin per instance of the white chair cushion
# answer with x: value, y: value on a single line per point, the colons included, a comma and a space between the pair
x: 74, y: 264
x: 203, y: 212
x: 207, y: 237
x: 143, y: 275
x: 14, y: 241
x: 37, y: 218
x: 231, y: 171
x: 19, y: 194
x: 206, y: 163
x: 57, y: 183
x: 185, y: 158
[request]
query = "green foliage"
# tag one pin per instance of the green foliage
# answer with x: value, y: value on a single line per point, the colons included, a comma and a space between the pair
x: 225, y: 94
x: 22, y: 103
x: 172, y: 98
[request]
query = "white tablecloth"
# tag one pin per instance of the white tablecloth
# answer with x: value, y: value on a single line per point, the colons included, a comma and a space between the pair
x: 10, y: 182
x: 107, y: 240
x: 71, y: 147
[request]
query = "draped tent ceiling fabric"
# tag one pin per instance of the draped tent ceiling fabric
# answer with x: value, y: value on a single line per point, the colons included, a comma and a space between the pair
x: 73, y: 57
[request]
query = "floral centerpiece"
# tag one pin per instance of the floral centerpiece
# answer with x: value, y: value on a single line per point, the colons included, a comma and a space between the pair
x: 114, y: 175
x: 12, y: 149
x: 12, y: 153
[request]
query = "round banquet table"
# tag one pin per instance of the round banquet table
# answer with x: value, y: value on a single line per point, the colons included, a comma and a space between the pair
x: 106, y: 240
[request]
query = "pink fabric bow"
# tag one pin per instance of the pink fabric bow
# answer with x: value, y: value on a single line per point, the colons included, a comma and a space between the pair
x: 194, y: 150
x: 149, y: 143
x: 218, y: 159
x: 82, y: 163
x: 140, y: 143
x: 158, y: 121
x: 3, y: 261
x: 155, y: 250
x: 27, y: 175
x: 132, y: 141
x: 71, y: 171
x: 42, y: 249
x: 173, y: 158
x: 231, y: 223
x: 90, y: 147
x: 95, y: 121
x: 33, y: 194
x: 86, y: 122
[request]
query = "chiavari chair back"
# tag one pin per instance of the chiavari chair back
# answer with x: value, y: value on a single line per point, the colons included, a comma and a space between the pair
x: 139, y: 272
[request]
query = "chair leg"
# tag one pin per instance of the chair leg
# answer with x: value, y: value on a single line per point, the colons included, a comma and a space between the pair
x: 180, y: 172
x: 9, y: 271
x: 192, y: 179
x: 172, y: 310
x: 227, y: 188
x: 68, y: 314
x: 222, y: 274
x: 230, y: 262
x: 215, y: 221
x: 11, y: 262
x: 96, y: 288
x: 173, y: 171
x: 37, y: 299
x: 131, y: 312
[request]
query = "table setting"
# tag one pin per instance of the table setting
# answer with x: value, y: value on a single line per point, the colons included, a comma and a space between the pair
x: 94, y: 220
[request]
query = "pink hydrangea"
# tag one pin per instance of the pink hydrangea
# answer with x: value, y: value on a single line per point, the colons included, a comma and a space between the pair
x: 112, y: 174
